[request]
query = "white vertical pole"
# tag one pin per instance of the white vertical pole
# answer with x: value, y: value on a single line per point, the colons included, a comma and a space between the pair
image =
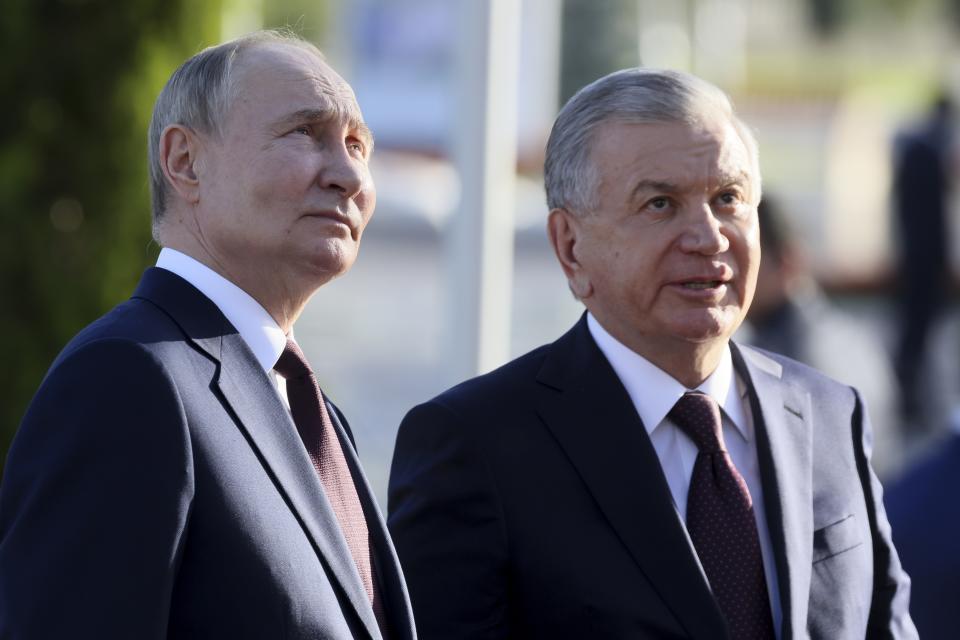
x: 480, y: 240
x: 539, y: 71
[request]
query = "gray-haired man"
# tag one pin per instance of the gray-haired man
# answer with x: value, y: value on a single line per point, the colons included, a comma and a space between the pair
x: 179, y: 473
x: 643, y: 476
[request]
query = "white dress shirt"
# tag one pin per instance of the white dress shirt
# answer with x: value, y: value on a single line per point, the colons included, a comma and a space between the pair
x: 654, y: 392
x: 257, y: 327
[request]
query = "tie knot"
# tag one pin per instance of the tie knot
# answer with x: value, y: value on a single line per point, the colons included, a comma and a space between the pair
x: 292, y: 363
x: 698, y: 416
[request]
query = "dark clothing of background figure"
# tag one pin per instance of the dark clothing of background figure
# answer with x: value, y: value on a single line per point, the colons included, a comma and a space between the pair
x: 925, y: 513
x: 158, y: 488
x: 920, y: 196
x: 530, y: 503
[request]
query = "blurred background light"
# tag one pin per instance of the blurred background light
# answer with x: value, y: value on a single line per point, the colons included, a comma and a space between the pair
x: 461, y: 103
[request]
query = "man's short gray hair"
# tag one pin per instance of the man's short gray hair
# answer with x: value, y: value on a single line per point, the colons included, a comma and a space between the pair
x: 198, y: 95
x: 641, y: 96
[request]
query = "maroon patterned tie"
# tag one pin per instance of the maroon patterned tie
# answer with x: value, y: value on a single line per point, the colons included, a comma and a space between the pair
x: 320, y: 438
x: 721, y: 523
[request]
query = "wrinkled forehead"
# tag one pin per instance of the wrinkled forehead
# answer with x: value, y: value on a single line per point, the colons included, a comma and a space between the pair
x: 718, y: 137
x: 291, y: 66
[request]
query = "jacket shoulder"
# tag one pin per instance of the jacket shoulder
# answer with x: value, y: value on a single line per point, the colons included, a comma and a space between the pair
x: 136, y: 320
x: 506, y: 384
x: 792, y: 372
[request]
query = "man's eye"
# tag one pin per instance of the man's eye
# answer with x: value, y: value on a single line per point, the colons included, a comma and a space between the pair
x: 304, y: 129
x: 356, y: 146
x: 729, y: 198
x: 659, y: 204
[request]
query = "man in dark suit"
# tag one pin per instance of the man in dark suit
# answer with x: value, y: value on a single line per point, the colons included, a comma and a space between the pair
x: 923, y: 510
x: 921, y: 179
x: 643, y: 476
x: 179, y: 473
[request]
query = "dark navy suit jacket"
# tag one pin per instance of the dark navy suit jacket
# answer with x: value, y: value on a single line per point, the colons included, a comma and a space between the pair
x: 530, y: 503
x: 157, y: 488
x: 925, y: 512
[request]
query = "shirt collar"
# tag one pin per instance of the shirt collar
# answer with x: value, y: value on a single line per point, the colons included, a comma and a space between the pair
x: 257, y: 328
x: 654, y: 391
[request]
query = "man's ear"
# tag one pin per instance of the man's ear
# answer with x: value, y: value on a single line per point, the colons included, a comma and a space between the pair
x: 179, y: 154
x: 564, y: 231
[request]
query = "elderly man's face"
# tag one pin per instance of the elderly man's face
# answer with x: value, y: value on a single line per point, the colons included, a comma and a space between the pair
x: 669, y: 255
x: 286, y: 192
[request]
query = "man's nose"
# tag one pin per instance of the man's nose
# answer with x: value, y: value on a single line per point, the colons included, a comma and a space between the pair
x: 703, y: 232
x: 343, y: 173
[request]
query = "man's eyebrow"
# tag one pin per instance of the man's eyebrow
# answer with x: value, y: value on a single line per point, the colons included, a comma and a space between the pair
x: 313, y: 115
x: 742, y: 177
x: 364, y: 132
x: 661, y: 186
x: 325, y: 115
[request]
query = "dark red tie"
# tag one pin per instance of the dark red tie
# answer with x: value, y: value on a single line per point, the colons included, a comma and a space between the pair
x: 320, y: 438
x: 721, y: 523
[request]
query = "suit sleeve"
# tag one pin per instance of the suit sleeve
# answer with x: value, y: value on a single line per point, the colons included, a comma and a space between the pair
x: 447, y: 525
x: 95, y: 500
x: 889, y: 611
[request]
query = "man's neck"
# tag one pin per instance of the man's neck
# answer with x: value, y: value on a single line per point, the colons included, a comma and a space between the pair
x: 688, y: 362
x: 254, y: 324
x: 282, y: 306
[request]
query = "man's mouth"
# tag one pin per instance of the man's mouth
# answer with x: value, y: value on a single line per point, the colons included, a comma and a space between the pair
x: 333, y: 216
x: 710, y: 284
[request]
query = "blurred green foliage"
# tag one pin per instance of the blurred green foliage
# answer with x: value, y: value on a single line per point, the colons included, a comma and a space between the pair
x: 308, y: 18
x: 79, y: 79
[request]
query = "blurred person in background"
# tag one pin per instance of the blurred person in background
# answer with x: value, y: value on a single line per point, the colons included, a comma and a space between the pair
x: 179, y: 473
x: 922, y: 176
x: 791, y: 316
x: 925, y: 515
x: 643, y: 476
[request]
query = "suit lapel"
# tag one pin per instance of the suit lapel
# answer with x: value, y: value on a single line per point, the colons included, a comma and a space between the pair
x: 781, y: 413
x: 260, y: 414
x: 590, y: 414
x: 271, y: 431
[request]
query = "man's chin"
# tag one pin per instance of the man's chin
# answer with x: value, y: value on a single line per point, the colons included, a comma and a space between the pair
x: 314, y: 274
x: 332, y: 257
x: 706, y: 326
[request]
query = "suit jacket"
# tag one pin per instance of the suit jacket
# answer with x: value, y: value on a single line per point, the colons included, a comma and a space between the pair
x: 530, y: 503
x: 926, y: 519
x: 158, y: 487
